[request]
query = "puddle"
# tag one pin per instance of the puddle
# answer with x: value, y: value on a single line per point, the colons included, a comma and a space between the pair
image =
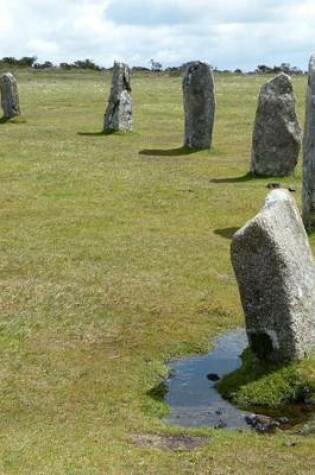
x: 193, y: 398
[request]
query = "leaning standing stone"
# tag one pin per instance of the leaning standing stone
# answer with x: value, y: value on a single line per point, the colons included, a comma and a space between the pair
x: 118, y: 115
x: 308, y: 193
x: 9, y: 96
x: 274, y: 267
x: 199, y: 105
x: 276, y: 138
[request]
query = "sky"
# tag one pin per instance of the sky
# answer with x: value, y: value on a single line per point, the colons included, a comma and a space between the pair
x: 227, y: 34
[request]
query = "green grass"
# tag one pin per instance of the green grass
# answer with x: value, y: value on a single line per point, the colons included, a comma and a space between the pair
x: 270, y: 386
x: 114, y: 257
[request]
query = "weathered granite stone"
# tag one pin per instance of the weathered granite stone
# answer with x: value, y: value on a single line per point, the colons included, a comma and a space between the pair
x: 276, y: 138
x: 199, y: 105
x: 9, y: 96
x: 308, y: 190
x: 274, y: 267
x: 118, y: 115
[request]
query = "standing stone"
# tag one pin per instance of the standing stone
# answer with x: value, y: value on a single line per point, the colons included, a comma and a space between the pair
x: 118, y: 115
x: 9, y: 96
x: 308, y: 193
x: 199, y: 105
x: 274, y: 267
x: 276, y: 138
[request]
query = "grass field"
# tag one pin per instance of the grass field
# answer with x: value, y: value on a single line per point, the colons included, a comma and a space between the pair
x: 114, y: 257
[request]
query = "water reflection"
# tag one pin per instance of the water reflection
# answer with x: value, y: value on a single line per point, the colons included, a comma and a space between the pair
x: 192, y: 396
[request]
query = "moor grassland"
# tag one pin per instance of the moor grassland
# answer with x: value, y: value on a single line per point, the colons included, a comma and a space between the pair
x: 114, y: 257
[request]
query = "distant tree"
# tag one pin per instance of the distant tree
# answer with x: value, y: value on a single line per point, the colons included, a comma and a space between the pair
x: 283, y: 67
x: 238, y: 71
x: 140, y: 68
x: 9, y: 60
x: 155, y: 66
x: 65, y: 66
x: 86, y: 64
x: 288, y: 69
x: 276, y: 69
x: 296, y: 70
x: 45, y: 65
x: 27, y: 61
x: 262, y: 68
x: 174, y: 71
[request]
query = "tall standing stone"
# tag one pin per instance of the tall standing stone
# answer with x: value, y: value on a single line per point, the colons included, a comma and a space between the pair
x: 199, y: 105
x: 276, y: 138
x: 274, y: 267
x: 9, y: 96
x: 308, y: 193
x: 118, y: 115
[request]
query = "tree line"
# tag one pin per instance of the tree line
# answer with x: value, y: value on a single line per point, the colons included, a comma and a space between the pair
x: 155, y: 66
x: 32, y: 62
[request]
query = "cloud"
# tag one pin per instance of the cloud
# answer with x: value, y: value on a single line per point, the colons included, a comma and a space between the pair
x: 226, y: 33
x: 42, y: 47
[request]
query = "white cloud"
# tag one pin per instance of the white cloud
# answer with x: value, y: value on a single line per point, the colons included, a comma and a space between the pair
x: 42, y: 47
x: 226, y: 33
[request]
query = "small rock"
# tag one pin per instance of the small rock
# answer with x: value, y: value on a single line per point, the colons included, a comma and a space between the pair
x: 307, y: 429
x: 272, y: 186
x: 290, y: 443
x: 261, y: 423
x: 213, y: 377
x: 250, y: 419
x: 220, y: 424
x: 283, y: 420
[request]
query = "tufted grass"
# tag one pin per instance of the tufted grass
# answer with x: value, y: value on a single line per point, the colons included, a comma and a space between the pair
x: 114, y: 257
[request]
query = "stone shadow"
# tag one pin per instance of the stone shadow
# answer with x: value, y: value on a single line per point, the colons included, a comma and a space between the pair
x: 3, y: 120
x: 173, y: 152
x: 95, y: 134
x: 235, y: 179
x: 227, y: 233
